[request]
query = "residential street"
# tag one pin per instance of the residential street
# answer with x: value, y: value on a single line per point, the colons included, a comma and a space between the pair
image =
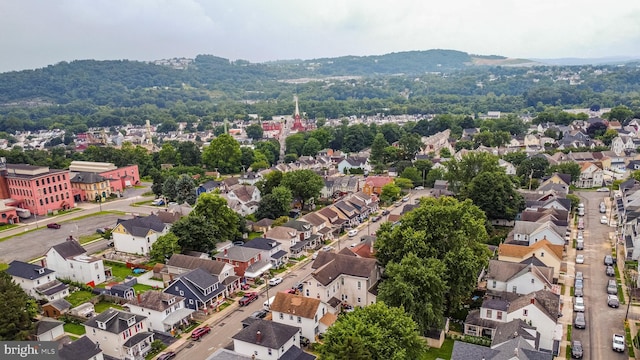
x: 602, y: 321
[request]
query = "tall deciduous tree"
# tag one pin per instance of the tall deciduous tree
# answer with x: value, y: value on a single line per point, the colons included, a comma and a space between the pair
x: 254, y: 131
x: 376, y: 332
x: 494, y: 192
x: 461, y: 173
x: 390, y: 193
x: 169, y: 189
x: 417, y: 285
x: 226, y: 222
x: 275, y: 204
x: 304, y: 184
x: 185, y: 190
x: 17, y: 311
x: 437, y: 229
x: 270, y: 181
x: 294, y: 144
x: 165, y: 246
x: 311, y: 147
x: 377, y: 148
x: 196, y: 232
x: 410, y: 144
x: 534, y: 167
x: 223, y: 154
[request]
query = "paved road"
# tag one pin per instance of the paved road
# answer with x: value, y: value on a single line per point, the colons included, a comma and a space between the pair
x: 223, y: 329
x: 602, y: 321
x: 33, y: 244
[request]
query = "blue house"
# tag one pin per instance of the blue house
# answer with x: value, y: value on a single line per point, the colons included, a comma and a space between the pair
x: 124, y: 290
x: 200, y: 289
x: 208, y: 187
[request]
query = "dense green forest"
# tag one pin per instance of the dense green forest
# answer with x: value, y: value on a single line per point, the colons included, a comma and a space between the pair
x: 81, y: 94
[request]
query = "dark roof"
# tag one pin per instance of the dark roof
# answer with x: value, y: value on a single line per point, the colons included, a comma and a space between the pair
x: 137, y: 338
x: 496, y: 304
x: 69, y: 248
x: 533, y: 261
x: 140, y: 225
x: 264, y: 222
x: 115, y: 320
x: 155, y: 300
x: 298, y: 225
x: 81, y: 349
x: 329, y: 266
x: 200, y: 278
x: 468, y: 351
x: 52, y: 287
x: 261, y: 243
x: 211, y: 184
x: 191, y: 262
x: 295, y: 353
x: 88, y: 178
x: 60, y: 304
x: 272, y: 334
x: 25, y: 270
x: 47, y: 324
x: 507, y: 331
x: 279, y: 254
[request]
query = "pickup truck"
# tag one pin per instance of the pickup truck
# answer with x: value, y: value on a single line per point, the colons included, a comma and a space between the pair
x: 248, y: 298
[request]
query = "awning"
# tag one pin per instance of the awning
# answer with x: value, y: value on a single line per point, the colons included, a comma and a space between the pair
x: 177, y: 316
x: 299, y: 245
x: 279, y: 254
x: 257, y: 269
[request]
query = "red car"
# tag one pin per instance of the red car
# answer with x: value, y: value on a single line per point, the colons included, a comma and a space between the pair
x: 53, y: 226
x: 248, y: 298
x: 200, y: 332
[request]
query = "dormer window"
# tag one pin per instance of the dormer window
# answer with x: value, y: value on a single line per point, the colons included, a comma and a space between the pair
x: 171, y: 301
x: 41, y: 271
x: 131, y: 321
x: 101, y: 325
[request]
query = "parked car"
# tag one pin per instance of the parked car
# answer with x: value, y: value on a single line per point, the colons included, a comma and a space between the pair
x: 375, y: 218
x: 314, y: 256
x: 419, y: 187
x: 612, y: 287
x: 405, y: 199
x: 167, y: 355
x: 618, y: 343
x: 260, y: 314
x: 610, y: 271
x: 304, y: 341
x: 200, y: 332
x: 54, y: 226
x: 327, y: 248
x: 579, y: 275
x: 603, y: 208
x: 245, y: 287
x: 603, y: 189
x: 248, y: 298
x: 613, y: 301
x: 578, y: 284
x: 157, y: 202
x: 580, y: 322
x: 385, y: 212
x: 580, y: 259
x: 608, y: 260
x: 275, y: 281
x: 353, y: 232
x: 578, y: 304
x: 578, y: 292
x: 603, y: 219
x: 238, y: 243
x: 576, y: 349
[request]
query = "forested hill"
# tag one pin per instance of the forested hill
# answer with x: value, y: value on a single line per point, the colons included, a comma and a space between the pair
x: 101, y: 81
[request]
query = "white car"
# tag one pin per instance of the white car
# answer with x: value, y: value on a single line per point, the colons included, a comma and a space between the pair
x: 578, y: 304
x: 353, y: 232
x: 603, y: 220
x: 275, y: 281
x: 603, y: 189
x: 327, y: 248
x: 419, y: 187
x: 580, y: 259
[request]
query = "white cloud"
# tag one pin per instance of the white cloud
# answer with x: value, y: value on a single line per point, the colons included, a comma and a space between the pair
x: 38, y: 33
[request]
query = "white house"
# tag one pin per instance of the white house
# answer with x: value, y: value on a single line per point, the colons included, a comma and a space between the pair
x: 137, y: 235
x: 354, y: 163
x: 48, y: 329
x: 244, y: 199
x: 532, y: 232
x: 591, y: 175
x: 70, y: 261
x: 271, y: 250
x: 508, y: 167
x: 343, y: 277
x: 540, y: 309
x: 303, y: 312
x: 165, y: 312
x: 518, y: 278
x: 267, y: 340
x: 121, y: 335
x: 37, y: 281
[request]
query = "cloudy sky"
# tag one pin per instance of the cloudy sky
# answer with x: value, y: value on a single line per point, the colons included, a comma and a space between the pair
x: 36, y: 33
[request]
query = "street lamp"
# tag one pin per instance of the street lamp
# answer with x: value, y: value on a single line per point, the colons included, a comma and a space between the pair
x: 99, y: 199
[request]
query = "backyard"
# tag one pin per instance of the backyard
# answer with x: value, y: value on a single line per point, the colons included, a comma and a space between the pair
x: 79, y: 297
x: 119, y: 270
x: 76, y: 329
x: 443, y: 353
x: 104, y: 305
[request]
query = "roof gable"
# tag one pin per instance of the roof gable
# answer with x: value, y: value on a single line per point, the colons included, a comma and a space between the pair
x: 69, y: 248
x: 303, y: 306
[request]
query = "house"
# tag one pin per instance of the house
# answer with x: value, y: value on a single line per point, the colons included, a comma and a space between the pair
x: 70, y: 261
x: 303, y: 312
x: 262, y: 225
x: 374, y: 184
x: 591, y: 175
x: 556, y: 178
x: 269, y: 340
x: 201, y: 290
x: 337, y: 222
x: 542, y: 251
x: 540, y: 309
x: 347, y: 278
x: 179, y: 264
x: 48, y: 329
x: 354, y: 162
x: 121, y: 335
x: 208, y: 187
x: 165, y: 312
x: 247, y: 262
x: 250, y: 178
x: 137, y: 235
x: 507, y: 166
x: 519, y: 278
x: 244, y: 199
x: 81, y: 349
x: 37, y: 281
x: 347, y: 212
x: 271, y: 249
x: 56, y: 308
x: 123, y: 290
x: 87, y: 186
x: 519, y: 347
x: 288, y: 237
x: 529, y: 233
x: 319, y: 225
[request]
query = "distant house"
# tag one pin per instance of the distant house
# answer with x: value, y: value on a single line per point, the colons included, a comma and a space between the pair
x: 48, y: 329
x: 244, y: 199
x: 56, y: 308
x: 70, y: 261
x: 271, y: 250
x: 37, y: 281
x: 81, y: 349
x: 591, y: 175
x: 354, y: 163
x: 247, y: 262
x: 270, y: 340
x: 301, y: 311
x: 374, y: 184
x: 124, y: 290
x: 201, y: 290
x: 165, y: 312
x: 262, y: 225
x: 87, y: 186
x: 250, y: 178
x: 208, y: 187
x: 532, y: 232
x: 179, y: 264
x: 121, y: 334
x: 137, y: 235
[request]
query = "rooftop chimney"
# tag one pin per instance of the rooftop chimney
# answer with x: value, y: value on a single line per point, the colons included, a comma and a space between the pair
x: 139, y: 301
x: 258, y: 336
x: 533, y: 300
x: 226, y: 251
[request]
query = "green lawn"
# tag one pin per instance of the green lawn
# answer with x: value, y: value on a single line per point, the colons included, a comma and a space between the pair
x: 100, y: 213
x: 253, y: 235
x: 119, y: 271
x: 74, y: 329
x: 79, y: 297
x: 103, y: 305
x: 3, y: 266
x: 443, y: 353
x: 7, y: 226
x: 140, y: 288
x: 83, y: 239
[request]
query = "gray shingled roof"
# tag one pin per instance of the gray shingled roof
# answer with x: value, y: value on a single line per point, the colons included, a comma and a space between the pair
x: 155, y: 300
x: 238, y: 253
x: 69, y: 248
x: 200, y: 278
x: 25, y: 270
x: 328, y: 266
x: 87, y: 178
x: 507, y: 331
x: 81, y: 349
x: 115, y: 320
x: 295, y: 353
x: 47, y: 324
x: 261, y: 243
x: 191, y: 262
x: 140, y: 226
x: 272, y: 334
x: 60, y: 304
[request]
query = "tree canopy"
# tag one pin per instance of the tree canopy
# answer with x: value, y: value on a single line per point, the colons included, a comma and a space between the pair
x: 304, y: 184
x: 223, y: 154
x: 17, y: 311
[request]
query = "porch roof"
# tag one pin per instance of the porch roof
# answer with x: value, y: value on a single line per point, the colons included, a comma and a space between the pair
x: 177, y: 316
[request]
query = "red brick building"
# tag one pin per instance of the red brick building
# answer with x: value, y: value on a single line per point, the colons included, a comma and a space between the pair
x: 119, y: 178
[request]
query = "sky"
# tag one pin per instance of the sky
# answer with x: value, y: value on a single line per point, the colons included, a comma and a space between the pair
x: 37, y: 33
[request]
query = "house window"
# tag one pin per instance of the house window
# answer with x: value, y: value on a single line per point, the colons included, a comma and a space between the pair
x: 494, y: 284
x: 359, y: 285
x: 291, y: 317
x: 499, y: 315
x: 533, y: 281
x: 269, y: 351
x: 358, y: 300
x: 489, y: 314
x: 181, y: 293
x: 514, y: 289
x: 342, y: 281
x: 281, y: 316
x: 190, y: 301
x: 299, y: 320
x: 542, y: 254
x: 525, y: 312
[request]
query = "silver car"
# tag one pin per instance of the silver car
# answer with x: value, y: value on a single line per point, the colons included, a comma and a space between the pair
x: 580, y: 322
x: 613, y: 301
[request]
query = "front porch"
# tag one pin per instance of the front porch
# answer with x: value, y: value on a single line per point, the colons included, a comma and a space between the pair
x: 138, y: 346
